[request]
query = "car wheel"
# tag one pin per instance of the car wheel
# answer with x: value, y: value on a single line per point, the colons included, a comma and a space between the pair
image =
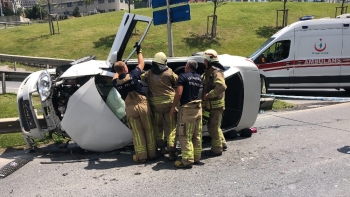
x: 263, y: 85
x: 246, y: 133
x: 231, y: 134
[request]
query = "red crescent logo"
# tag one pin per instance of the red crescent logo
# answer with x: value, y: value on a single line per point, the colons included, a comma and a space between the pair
x: 320, y: 50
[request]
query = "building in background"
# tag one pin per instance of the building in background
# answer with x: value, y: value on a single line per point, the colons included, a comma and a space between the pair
x: 28, y: 3
x: 66, y: 7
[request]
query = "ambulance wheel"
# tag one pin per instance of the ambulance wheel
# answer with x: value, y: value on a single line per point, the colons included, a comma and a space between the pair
x: 246, y: 133
x: 263, y: 85
x: 231, y: 134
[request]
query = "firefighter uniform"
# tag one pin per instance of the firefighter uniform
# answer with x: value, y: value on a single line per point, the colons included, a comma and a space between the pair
x: 138, y: 114
x: 161, y: 80
x: 214, y: 105
x: 189, y: 125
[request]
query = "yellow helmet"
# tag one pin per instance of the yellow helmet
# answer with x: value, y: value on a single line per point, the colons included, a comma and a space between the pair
x: 211, y: 55
x: 160, y: 58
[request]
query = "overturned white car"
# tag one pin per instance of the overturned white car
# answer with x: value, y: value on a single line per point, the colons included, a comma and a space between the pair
x: 74, y: 97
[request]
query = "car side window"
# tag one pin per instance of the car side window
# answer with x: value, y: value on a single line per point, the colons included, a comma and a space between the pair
x: 277, y: 52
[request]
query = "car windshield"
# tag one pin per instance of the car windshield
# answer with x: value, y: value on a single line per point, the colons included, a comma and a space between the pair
x: 265, y: 44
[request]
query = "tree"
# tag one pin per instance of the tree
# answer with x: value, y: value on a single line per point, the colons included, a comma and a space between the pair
x: 76, y: 12
x: 217, y: 3
x: 49, y: 3
x: 8, y: 12
x: 34, y: 12
x: 19, y: 12
x: 87, y: 3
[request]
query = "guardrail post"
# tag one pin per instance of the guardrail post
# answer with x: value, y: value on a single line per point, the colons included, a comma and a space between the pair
x: 3, y: 83
x: 14, y: 66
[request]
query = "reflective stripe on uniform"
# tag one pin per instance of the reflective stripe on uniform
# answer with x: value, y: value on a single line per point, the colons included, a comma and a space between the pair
x: 157, y: 100
x: 211, y: 94
x: 172, y: 132
x: 139, y: 147
x: 215, y: 104
x: 187, y: 152
x: 219, y: 81
x: 159, y: 134
x: 150, y: 134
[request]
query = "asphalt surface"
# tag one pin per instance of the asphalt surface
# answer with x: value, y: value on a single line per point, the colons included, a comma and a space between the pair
x: 294, y: 153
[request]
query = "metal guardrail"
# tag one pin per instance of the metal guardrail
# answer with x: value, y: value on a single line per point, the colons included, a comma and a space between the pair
x: 6, y: 24
x: 34, y: 60
x: 11, y: 76
x: 20, y: 76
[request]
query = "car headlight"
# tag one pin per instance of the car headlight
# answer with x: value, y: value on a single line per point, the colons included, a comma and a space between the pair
x: 44, y: 85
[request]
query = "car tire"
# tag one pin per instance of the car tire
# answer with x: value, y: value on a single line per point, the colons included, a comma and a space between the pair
x: 246, y: 133
x: 231, y: 134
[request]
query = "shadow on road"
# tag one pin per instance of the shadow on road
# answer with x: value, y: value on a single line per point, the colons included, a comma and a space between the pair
x: 116, y: 159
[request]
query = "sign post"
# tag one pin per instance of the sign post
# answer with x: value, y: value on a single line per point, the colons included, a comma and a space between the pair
x: 169, y: 16
x: 170, y: 33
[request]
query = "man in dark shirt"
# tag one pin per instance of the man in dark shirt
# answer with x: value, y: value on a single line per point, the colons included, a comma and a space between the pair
x: 137, y: 108
x: 189, y: 125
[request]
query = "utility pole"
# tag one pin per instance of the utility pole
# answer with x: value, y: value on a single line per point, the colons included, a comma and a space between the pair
x: 170, y: 34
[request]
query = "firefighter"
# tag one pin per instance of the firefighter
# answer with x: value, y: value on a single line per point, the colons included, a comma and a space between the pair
x: 214, y: 101
x: 161, y: 80
x: 189, y: 125
x: 137, y: 108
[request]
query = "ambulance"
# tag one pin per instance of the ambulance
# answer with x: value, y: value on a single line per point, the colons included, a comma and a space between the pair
x: 306, y: 54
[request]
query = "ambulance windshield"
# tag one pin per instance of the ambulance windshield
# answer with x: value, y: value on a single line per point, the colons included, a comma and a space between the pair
x: 263, y: 46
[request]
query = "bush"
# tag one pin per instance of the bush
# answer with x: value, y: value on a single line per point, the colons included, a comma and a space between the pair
x: 76, y: 12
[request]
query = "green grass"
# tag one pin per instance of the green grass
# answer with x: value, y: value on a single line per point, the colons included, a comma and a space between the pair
x: 242, y: 28
x: 16, y: 140
x: 278, y: 105
x: 8, y: 105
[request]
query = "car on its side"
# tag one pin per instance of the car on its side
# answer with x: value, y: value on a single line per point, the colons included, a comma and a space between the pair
x: 79, y: 101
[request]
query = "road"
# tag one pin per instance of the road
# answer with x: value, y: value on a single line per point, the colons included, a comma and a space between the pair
x: 294, y: 153
x: 309, y: 92
x: 11, y: 86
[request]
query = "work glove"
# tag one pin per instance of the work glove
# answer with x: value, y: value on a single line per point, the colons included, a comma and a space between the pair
x: 138, y: 48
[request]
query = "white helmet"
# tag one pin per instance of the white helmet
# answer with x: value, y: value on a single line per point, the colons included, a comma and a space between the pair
x: 160, y: 58
x: 211, y: 55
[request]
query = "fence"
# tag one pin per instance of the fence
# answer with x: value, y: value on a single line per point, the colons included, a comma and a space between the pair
x: 20, y: 76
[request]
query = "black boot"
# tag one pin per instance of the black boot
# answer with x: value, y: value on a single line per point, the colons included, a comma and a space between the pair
x: 210, y: 153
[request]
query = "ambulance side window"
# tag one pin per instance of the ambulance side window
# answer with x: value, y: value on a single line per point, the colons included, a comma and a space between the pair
x: 277, y: 52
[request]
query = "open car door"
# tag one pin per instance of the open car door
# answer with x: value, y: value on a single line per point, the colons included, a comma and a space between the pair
x: 133, y: 28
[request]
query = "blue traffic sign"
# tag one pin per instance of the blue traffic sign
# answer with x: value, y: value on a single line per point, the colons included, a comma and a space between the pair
x: 161, y: 3
x: 177, y: 14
